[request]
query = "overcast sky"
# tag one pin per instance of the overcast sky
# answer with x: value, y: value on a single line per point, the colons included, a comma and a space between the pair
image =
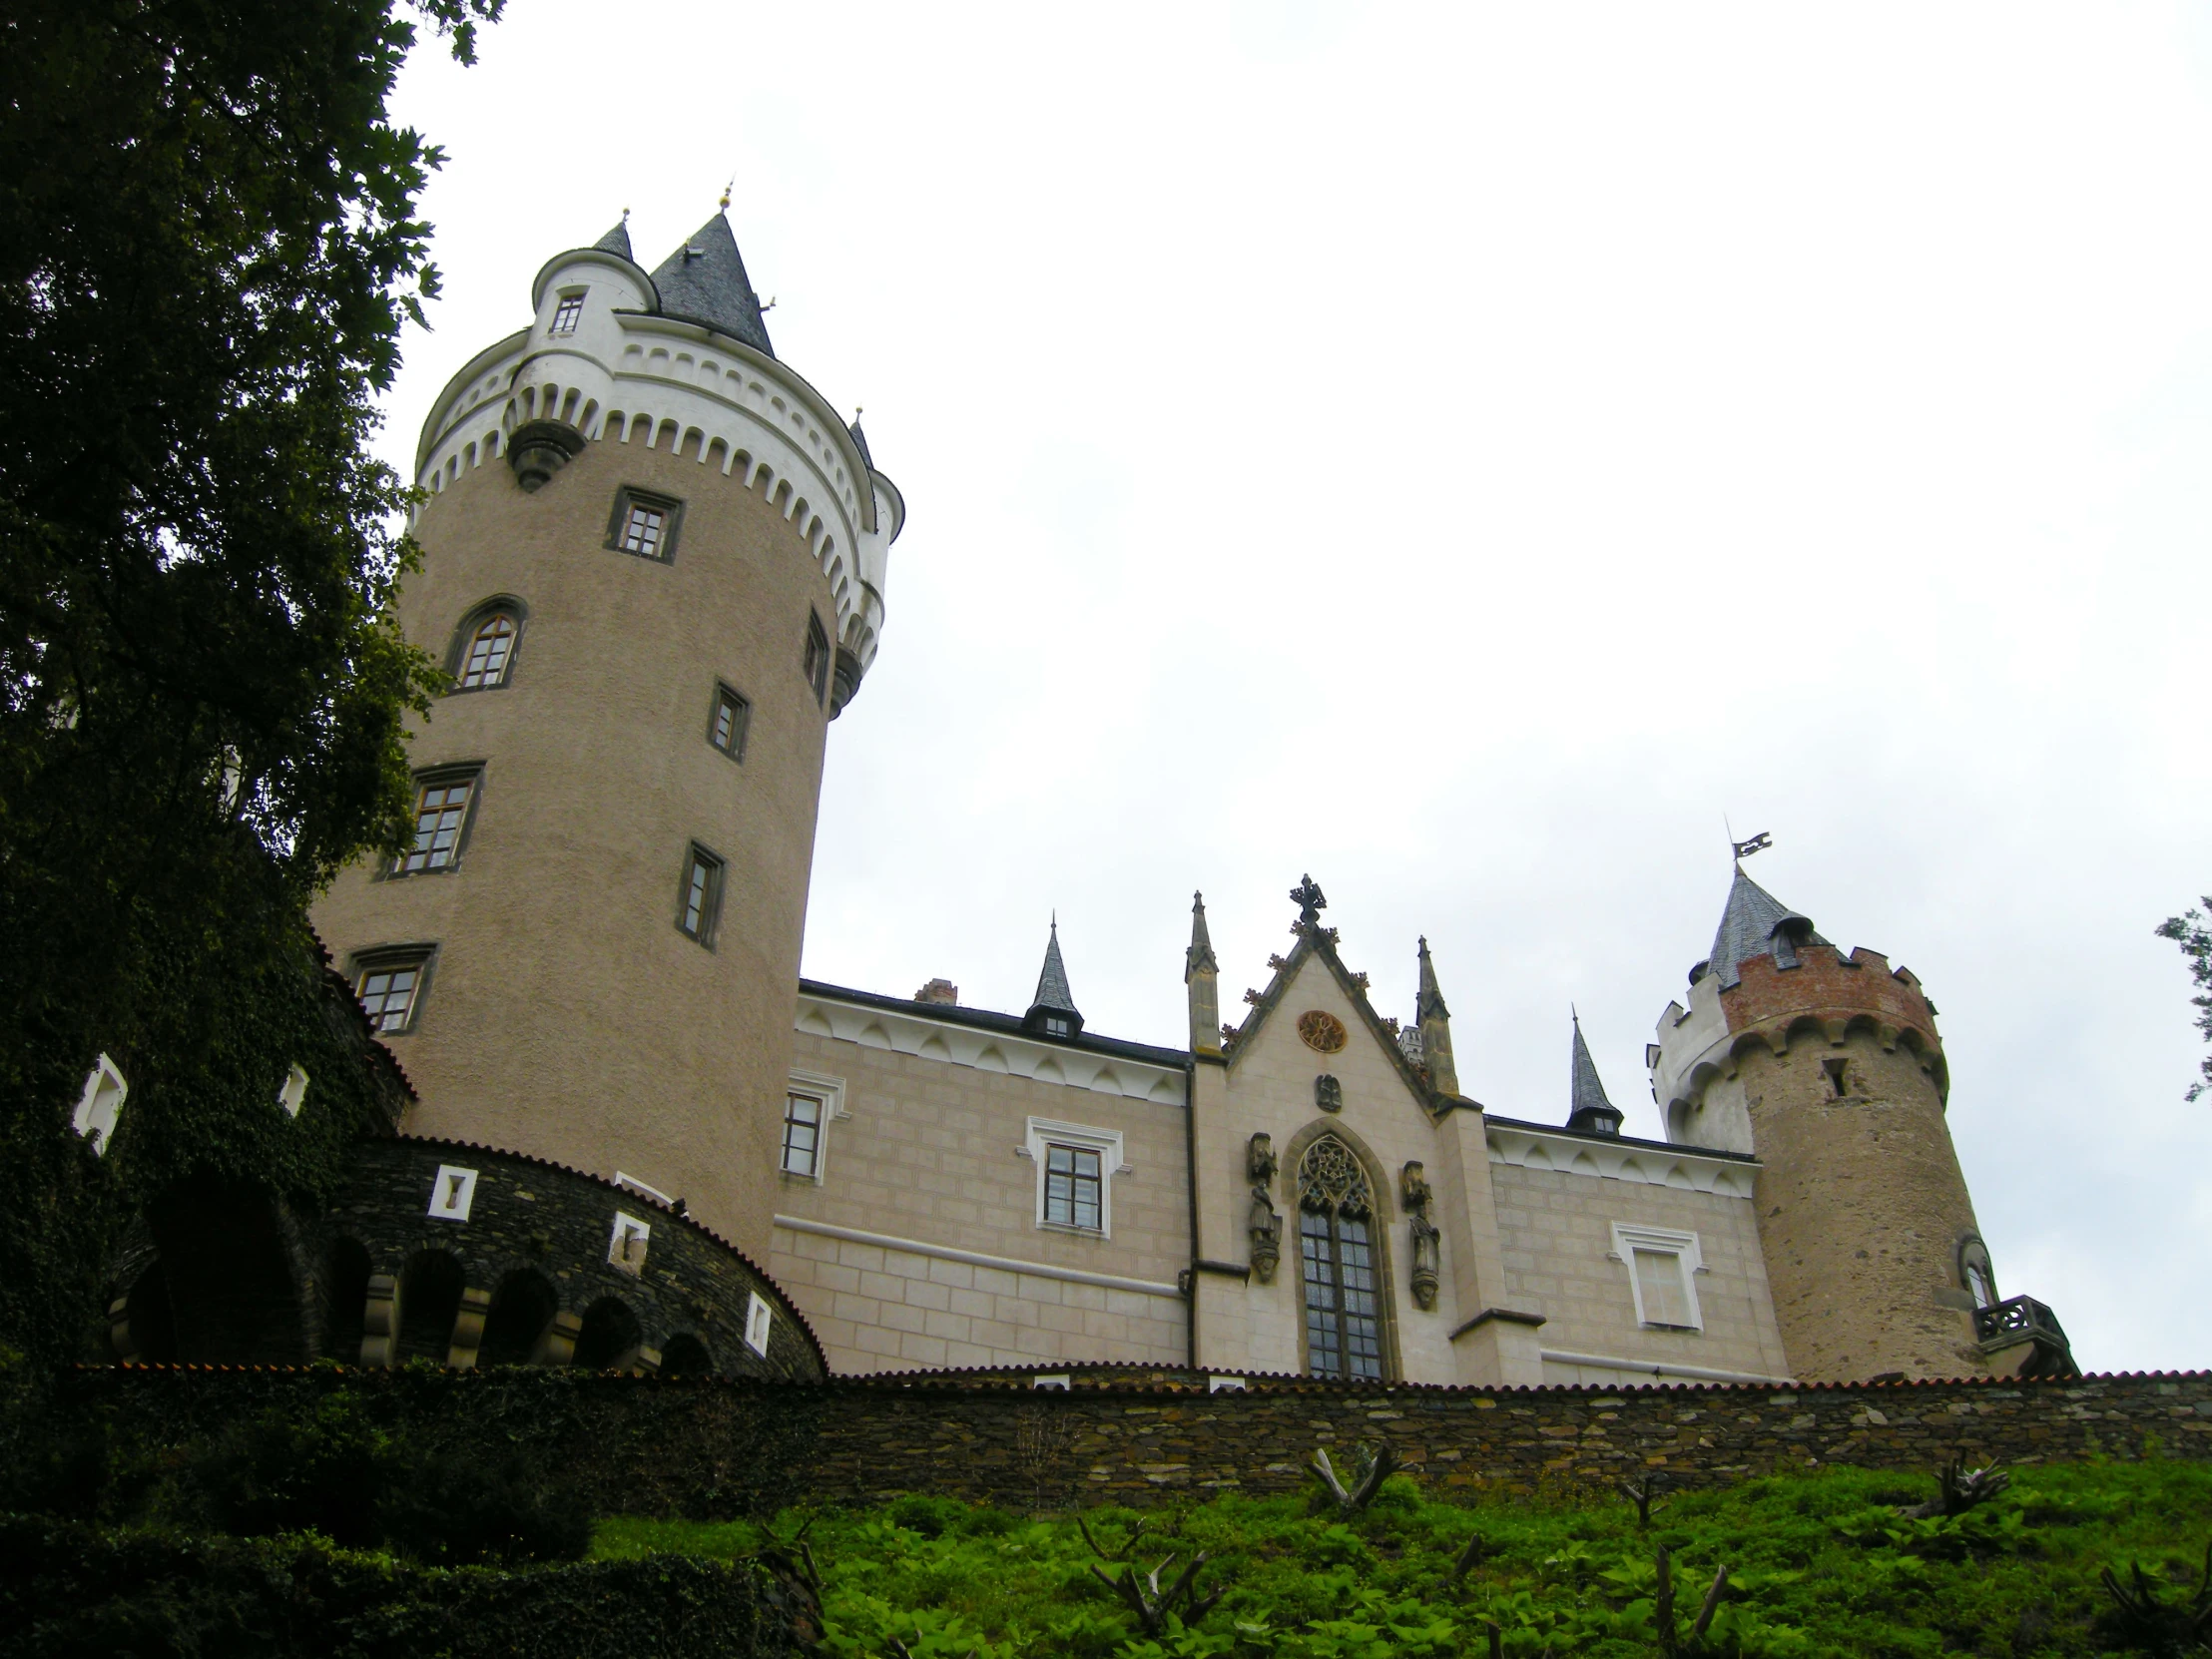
x: 1469, y: 453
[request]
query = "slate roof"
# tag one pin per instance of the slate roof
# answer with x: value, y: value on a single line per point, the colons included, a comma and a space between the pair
x: 704, y: 282
x: 1052, y: 983
x: 617, y: 242
x: 1588, y: 1108
x: 1748, y: 928
x: 859, y: 442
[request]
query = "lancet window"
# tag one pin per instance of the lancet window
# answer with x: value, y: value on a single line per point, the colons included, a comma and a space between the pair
x: 1338, y: 1245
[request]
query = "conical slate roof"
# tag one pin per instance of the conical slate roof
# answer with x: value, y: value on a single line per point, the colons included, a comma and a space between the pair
x: 859, y: 442
x: 1748, y: 927
x: 1053, y: 999
x: 1589, y: 1109
x: 705, y: 280
x: 617, y: 240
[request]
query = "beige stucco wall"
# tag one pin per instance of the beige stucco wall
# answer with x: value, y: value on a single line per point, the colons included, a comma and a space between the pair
x: 1268, y: 1085
x: 567, y: 1016
x: 1555, y: 1229
x: 926, y: 1151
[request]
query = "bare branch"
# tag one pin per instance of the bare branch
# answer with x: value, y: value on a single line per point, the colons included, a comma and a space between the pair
x: 1477, y: 1545
x: 1712, y: 1605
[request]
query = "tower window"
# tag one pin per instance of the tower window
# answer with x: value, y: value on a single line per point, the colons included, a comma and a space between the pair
x: 702, y: 898
x: 803, y: 1116
x: 568, y: 312
x: 390, y: 987
x: 1838, y: 1084
x: 1074, y: 1186
x: 441, y: 817
x: 1975, y: 1272
x: 487, y: 652
x: 726, y: 725
x: 815, y: 664
x: 645, y: 524
x: 1337, y: 1252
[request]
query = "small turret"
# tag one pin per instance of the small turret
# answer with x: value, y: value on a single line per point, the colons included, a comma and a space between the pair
x: 704, y: 282
x: 1434, y: 1020
x: 1052, y: 1013
x: 1200, y: 975
x: 1588, y: 1110
x: 1826, y: 1066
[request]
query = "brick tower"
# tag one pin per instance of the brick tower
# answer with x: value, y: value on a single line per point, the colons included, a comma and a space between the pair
x: 1829, y: 1069
x: 653, y: 561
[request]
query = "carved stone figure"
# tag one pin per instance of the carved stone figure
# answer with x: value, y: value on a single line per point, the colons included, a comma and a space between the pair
x: 1413, y: 1190
x: 1262, y: 1224
x: 1329, y: 1094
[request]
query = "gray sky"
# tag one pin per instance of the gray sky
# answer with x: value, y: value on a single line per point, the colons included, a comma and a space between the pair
x: 1464, y: 454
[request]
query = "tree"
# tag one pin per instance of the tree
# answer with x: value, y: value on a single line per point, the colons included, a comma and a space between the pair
x: 207, y: 249
x: 2193, y: 933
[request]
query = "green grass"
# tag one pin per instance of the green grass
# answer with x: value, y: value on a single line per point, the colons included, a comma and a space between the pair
x: 1818, y: 1564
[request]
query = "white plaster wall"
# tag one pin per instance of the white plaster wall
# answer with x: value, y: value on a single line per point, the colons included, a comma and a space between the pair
x: 1555, y: 1227
x: 926, y: 1154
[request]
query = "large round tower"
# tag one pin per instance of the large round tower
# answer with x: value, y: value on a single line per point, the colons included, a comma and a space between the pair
x: 1829, y: 1069
x: 653, y: 561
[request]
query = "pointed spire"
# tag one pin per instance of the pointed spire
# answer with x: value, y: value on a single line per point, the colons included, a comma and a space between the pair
x: 1435, y: 1028
x: 1590, y: 1110
x: 704, y: 282
x: 617, y: 240
x: 1201, y: 973
x: 1754, y: 923
x: 1053, y: 1012
x: 860, y: 440
x: 1430, y: 999
x: 1200, y: 957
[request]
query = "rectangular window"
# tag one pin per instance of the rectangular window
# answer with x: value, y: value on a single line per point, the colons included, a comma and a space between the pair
x: 802, y: 1135
x: 1073, y: 1186
x: 644, y: 524
x: 389, y: 992
x: 1662, y: 1268
x: 641, y: 530
x: 702, y: 894
x: 815, y: 664
x: 441, y: 812
x: 726, y: 728
x: 568, y: 312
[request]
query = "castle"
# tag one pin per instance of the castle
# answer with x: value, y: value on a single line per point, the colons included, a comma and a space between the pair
x: 629, y: 1135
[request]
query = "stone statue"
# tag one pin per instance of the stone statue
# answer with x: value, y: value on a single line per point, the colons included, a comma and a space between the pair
x: 1427, y: 1252
x: 1329, y: 1094
x: 1262, y: 1224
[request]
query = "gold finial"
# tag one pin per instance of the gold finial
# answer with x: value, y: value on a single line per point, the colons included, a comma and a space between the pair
x: 857, y: 411
x: 726, y: 190
x: 626, y: 216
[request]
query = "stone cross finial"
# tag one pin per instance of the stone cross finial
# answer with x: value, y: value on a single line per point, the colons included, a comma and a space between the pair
x: 1308, y: 897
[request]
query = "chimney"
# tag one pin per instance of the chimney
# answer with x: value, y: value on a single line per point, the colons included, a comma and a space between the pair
x: 940, y: 990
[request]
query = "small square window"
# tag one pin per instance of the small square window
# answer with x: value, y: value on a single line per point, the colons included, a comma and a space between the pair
x: 1073, y: 1186
x: 645, y: 524
x: 568, y: 312
x: 441, y: 814
x: 726, y: 726
x: 803, y: 1115
x: 390, y: 990
x: 815, y: 664
x: 702, y: 898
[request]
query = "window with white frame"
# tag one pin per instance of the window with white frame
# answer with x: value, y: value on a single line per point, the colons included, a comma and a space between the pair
x: 760, y: 1317
x: 1076, y: 1166
x: 1663, y: 1266
x: 811, y: 1102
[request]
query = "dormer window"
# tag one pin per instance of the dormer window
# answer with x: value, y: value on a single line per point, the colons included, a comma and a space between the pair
x: 568, y: 312
x: 1057, y: 1025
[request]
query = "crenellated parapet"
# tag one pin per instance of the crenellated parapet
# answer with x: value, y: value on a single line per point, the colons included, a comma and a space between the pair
x: 1823, y: 995
x: 604, y: 358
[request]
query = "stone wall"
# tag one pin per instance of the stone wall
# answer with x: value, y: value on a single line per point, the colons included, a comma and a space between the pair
x: 1154, y: 1442
x: 714, y: 1446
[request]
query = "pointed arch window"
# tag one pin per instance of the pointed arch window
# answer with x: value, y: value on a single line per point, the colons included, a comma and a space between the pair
x: 1338, y: 1249
x: 489, y: 647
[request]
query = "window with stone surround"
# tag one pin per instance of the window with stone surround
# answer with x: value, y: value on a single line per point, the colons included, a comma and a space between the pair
x: 725, y: 725
x: 1076, y: 1166
x: 443, y: 802
x: 811, y: 1101
x: 390, y: 985
x: 645, y: 524
x: 815, y: 664
x: 699, y: 906
x: 1662, y: 1268
x: 568, y: 312
x: 1339, y: 1264
x: 490, y: 647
